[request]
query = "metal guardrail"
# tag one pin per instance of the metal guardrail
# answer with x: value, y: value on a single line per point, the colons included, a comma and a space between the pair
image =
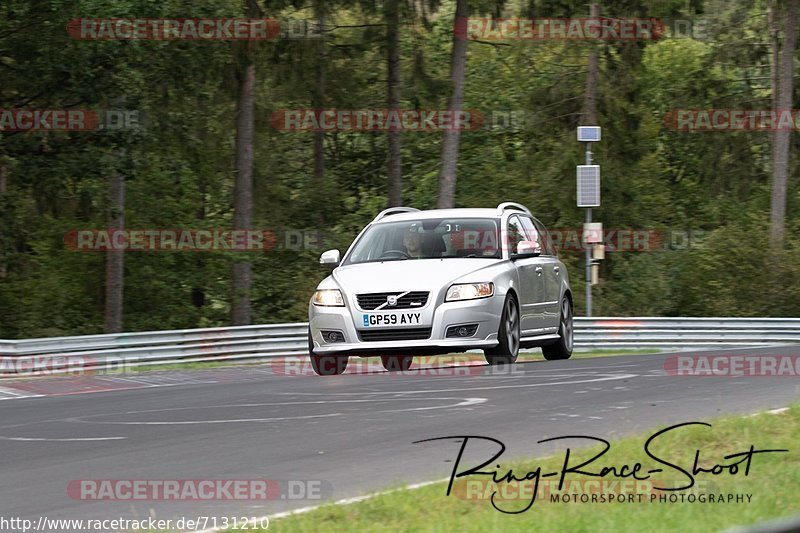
x: 65, y: 354
x: 684, y: 332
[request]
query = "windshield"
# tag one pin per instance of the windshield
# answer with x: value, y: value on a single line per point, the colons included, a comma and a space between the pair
x: 427, y: 239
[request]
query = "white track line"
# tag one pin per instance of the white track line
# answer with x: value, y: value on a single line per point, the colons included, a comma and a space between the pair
x: 464, y: 402
x: 76, y: 439
x: 778, y: 411
x: 606, y: 377
x: 14, y: 394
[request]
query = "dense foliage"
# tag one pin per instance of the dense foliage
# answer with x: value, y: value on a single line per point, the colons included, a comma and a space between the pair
x: 713, y: 186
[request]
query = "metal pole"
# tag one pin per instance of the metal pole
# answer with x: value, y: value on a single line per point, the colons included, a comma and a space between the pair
x: 588, y: 248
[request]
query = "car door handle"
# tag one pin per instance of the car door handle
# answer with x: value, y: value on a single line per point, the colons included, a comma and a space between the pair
x: 539, y: 271
x: 557, y: 270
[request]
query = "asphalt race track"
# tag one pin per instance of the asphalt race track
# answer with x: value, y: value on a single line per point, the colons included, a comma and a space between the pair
x: 354, y: 432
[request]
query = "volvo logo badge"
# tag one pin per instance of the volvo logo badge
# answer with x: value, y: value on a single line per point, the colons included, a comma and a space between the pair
x: 391, y: 300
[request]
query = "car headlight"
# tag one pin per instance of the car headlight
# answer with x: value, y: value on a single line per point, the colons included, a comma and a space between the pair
x: 469, y: 291
x: 328, y: 298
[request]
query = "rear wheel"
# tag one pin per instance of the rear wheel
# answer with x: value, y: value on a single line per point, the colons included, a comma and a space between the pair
x: 562, y: 349
x: 394, y: 363
x: 326, y: 365
x: 507, y: 350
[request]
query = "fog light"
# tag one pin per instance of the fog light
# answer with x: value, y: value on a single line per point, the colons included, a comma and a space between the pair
x: 466, y: 330
x: 332, y: 336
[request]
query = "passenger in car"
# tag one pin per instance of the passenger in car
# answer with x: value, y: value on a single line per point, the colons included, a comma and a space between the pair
x: 433, y: 245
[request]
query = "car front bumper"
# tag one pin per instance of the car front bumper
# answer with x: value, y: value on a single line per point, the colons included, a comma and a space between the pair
x: 485, y: 312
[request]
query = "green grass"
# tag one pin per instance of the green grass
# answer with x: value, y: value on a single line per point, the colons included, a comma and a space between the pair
x: 191, y: 365
x: 774, y: 482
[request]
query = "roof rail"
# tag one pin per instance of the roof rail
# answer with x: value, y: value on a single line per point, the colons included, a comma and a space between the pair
x: 511, y: 205
x: 393, y: 211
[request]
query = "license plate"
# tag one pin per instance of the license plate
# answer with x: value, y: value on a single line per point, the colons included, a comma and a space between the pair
x: 391, y: 319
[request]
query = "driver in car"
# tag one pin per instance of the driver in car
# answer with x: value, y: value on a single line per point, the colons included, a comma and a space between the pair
x: 412, y: 242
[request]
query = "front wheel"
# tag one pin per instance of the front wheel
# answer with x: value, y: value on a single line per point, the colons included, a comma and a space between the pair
x: 393, y: 363
x: 329, y: 365
x: 326, y: 365
x: 507, y: 350
x: 562, y: 349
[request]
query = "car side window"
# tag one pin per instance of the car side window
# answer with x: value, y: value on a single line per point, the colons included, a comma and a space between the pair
x: 534, y: 234
x: 548, y: 246
x: 515, y: 233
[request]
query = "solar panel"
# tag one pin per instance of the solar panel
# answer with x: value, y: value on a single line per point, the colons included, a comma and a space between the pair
x: 588, y: 133
x: 588, y: 185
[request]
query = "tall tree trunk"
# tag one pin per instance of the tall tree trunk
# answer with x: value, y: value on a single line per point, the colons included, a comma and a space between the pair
x: 589, y: 112
x: 243, y: 191
x: 395, y: 170
x: 243, y: 186
x: 775, y: 50
x: 319, y: 103
x: 780, y: 151
x: 198, y: 294
x: 3, y: 189
x: 458, y: 66
x: 115, y: 259
x: 774, y: 65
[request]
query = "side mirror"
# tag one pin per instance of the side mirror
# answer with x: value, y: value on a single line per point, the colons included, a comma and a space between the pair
x: 528, y: 249
x: 331, y: 257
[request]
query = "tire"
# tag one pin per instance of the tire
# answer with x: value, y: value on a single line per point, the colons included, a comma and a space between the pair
x: 507, y: 351
x: 562, y: 348
x: 393, y: 363
x: 326, y: 365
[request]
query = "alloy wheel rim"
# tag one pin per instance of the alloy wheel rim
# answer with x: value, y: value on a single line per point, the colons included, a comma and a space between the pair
x: 512, y: 332
x: 566, y: 324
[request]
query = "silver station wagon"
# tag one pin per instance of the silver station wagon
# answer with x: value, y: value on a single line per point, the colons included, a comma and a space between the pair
x: 442, y: 281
